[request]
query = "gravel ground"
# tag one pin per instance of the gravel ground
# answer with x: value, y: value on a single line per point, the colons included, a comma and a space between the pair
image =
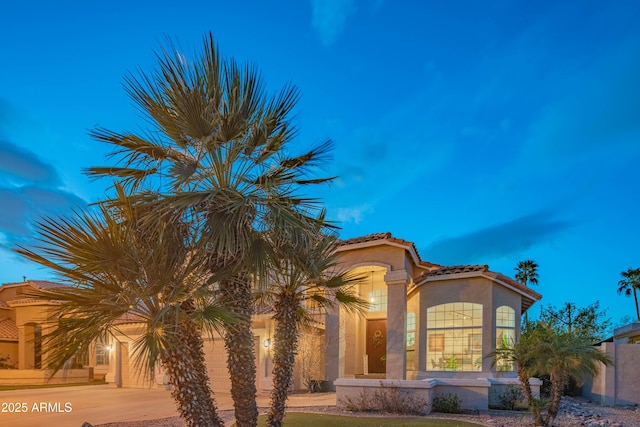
x: 575, y: 412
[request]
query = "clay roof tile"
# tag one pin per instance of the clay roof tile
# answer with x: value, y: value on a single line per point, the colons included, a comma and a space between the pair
x: 8, y: 329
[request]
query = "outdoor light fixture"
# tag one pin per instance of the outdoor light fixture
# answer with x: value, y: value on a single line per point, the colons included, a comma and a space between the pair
x: 372, y: 299
x: 108, y: 347
x: 266, y: 343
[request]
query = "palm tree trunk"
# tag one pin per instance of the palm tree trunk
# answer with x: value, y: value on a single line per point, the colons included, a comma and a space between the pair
x: 635, y: 297
x: 285, y: 345
x: 531, y: 403
x: 238, y: 340
x: 557, y: 386
x: 185, y: 365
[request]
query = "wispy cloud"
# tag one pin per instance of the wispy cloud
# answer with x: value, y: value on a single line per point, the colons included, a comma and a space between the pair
x: 30, y: 188
x: 22, y: 165
x: 353, y: 214
x: 330, y: 17
x: 501, y: 240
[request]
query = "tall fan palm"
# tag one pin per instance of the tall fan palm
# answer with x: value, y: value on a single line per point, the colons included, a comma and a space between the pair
x: 122, y: 269
x: 630, y: 284
x: 527, y: 274
x: 219, y: 152
x: 312, y: 277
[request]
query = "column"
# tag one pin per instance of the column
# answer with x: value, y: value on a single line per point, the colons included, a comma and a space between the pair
x: 332, y: 358
x: 22, y: 348
x: 396, y: 323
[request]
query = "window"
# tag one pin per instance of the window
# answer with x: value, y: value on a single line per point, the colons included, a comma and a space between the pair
x: 102, y: 353
x: 411, y: 341
x: 505, y: 335
x: 378, y: 300
x: 454, y: 337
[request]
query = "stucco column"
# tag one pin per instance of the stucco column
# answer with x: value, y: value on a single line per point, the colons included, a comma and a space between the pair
x: 396, y: 323
x: 332, y: 360
x: 22, y: 348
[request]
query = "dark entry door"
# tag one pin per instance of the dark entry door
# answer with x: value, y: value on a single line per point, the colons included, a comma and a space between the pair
x: 377, y: 345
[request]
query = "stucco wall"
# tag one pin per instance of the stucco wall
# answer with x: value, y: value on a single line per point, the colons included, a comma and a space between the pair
x: 617, y: 384
x: 381, y: 254
x: 9, y: 348
x: 628, y: 374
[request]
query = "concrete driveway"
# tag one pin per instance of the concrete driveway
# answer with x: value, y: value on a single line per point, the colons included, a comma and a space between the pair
x: 71, y: 406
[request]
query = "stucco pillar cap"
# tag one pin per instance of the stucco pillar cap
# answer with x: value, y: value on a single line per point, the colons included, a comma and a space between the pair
x: 397, y: 277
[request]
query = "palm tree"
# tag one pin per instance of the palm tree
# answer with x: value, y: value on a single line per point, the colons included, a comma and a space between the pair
x: 527, y: 274
x: 311, y: 277
x: 544, y: 351
x: 630, y: 285
x: 219, y: 152
x: 523, y: 355
x: 123, y: 269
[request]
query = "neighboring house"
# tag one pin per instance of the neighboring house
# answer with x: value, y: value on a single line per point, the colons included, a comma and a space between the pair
x: 23, y: 322
x: 618, y: 384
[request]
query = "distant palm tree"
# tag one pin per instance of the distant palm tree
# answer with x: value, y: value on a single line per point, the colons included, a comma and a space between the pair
x: 310, y: 278
x: 123, y: 269
x: 219, y: 152
x: 630, y: 286
x: 527, y: 274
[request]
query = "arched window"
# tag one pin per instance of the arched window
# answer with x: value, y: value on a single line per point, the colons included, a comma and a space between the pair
x: 454, y: 337
x: 505, y: 334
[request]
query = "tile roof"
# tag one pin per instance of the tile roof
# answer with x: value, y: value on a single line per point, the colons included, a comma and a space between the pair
x: 455, y: 269
x: 40, y: 284
x: 129, y: 317
x: 8, y: 329
x: 484, y: 269
x: 388, y: 237
x: 4, y: 304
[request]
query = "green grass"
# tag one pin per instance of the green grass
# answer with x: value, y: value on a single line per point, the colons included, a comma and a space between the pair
x: 302, y: 419
x: 30, y: 386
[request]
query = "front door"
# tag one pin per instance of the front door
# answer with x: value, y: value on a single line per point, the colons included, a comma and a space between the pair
x: 377, y: 345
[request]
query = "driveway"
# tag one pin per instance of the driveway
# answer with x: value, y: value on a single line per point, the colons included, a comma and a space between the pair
x: 71, y: 406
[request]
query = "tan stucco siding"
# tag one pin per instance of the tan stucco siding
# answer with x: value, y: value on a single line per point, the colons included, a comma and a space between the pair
x: 9, y: 348
x: 627, y: 374
x: 375, y: 255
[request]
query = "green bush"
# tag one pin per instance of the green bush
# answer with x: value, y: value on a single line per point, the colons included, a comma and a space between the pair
x: 6, y: 363
x: 448, y: 403
x: 511, y: 397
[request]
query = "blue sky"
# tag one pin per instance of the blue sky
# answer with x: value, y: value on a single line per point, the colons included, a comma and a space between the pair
x: 483, y: 131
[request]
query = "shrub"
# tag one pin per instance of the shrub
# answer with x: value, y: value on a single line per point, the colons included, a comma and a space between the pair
x: 6, y: 363
x: 510, y: 398
x: 448, y: 403
x: 389, y: 399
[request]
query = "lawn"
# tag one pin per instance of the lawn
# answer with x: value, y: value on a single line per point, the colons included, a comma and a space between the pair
x: 301, y: 419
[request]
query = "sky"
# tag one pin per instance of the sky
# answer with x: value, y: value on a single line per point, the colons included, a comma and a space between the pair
x: 486, y: 132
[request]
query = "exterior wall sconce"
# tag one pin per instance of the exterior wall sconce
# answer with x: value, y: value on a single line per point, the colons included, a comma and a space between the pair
x: 267, y: 343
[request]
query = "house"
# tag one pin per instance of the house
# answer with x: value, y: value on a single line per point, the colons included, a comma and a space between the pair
x: 428, y: 329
